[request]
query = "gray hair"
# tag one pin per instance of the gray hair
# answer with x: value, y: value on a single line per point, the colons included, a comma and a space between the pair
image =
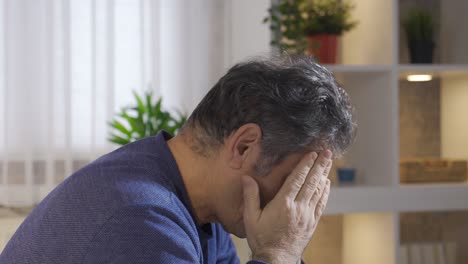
x: 297, y: 103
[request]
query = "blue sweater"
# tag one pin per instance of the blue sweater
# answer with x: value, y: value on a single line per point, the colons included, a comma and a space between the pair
x: 129, y: 206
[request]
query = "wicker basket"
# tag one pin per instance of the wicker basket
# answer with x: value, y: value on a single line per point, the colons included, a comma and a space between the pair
x: 433, y: 170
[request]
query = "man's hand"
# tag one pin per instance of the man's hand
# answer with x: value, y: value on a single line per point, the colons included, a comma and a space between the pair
x: 280, y: 232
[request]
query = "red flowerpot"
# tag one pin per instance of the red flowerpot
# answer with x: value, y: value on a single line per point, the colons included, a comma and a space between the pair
x: 323, y: 47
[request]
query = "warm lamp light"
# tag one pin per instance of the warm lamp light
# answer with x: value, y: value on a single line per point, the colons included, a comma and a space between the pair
x: 419, y: 77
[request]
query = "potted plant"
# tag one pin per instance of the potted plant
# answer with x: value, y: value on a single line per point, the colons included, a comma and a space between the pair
x: 325, y: 21
x: 145, y: 118
x: 311, y: 26
x: 287, y: 24
x: 419, y: 30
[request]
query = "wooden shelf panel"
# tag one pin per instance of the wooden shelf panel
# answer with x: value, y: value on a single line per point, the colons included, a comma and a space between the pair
x: 403, y: 198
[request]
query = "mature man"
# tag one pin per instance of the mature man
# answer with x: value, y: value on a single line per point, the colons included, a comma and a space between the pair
x: 252, y: 160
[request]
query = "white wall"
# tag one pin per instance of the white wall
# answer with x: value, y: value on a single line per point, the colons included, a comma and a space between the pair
x: 249, y: 36
x: 453, y: 33
x: 454, y: 117
x: 368, y: 239
x: 371, y: 41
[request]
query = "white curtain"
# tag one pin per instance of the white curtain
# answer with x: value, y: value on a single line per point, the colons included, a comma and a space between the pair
x: 66, y: 66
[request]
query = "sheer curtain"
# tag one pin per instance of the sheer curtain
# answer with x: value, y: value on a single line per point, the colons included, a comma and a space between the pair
x: 66, y: 66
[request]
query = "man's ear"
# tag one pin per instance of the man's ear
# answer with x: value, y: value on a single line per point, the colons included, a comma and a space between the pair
x: 243, y: 144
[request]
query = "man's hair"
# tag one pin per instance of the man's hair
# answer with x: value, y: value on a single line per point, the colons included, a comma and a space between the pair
x: 297, y: 103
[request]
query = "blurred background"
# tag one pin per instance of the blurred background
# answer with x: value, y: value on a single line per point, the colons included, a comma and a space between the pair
x: 74, y: 75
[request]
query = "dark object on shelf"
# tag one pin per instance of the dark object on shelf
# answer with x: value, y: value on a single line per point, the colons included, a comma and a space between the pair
x: 419, y: 30
x: 421, y: 52
x: 323, y: 48
x: 346, y: 175
x: 433, y: 170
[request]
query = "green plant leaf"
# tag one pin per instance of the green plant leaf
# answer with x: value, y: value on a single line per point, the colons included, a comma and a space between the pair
x: 145, y: 118
x: 136, y: 124
x: 419, y: 26
x: 120, y: 127
x: 149, y: 107
x: 118, y: 140
x: 141, y: 106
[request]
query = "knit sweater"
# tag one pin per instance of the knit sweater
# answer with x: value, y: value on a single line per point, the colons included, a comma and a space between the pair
x: 129, y: 206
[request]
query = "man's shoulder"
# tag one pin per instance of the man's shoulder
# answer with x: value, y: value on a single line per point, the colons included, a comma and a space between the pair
x: 131, y: 175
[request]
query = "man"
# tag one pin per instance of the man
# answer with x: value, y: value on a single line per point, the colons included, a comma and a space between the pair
x: 252, y: 160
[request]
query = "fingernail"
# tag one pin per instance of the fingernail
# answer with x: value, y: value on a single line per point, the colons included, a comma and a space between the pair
x: 327, y: 154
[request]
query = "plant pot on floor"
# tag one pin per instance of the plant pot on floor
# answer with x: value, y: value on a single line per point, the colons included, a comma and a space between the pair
x: 323, y: 47
x: 421, y: 51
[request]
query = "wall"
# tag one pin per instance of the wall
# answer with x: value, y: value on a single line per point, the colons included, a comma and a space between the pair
x: 371, y: 41
x: 372, y: 232
x: 453, y: 37
x: 327, y: 243
x: 454, y: 115
x: 419, y: 119
x: 249, y: 36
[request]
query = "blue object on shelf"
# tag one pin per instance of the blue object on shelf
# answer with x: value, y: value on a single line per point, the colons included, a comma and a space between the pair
x: 346, y: 175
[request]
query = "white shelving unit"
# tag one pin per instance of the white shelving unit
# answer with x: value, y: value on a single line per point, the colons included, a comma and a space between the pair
x: 362, y: 222
x: 404, y: 198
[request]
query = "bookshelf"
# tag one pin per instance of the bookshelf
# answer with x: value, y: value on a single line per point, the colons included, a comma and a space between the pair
x: 364, y: 222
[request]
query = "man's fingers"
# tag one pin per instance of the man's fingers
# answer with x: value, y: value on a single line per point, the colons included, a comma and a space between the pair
x: 295, y: 180
x: 318, y: 192
x: 328, y: 169
x: 251, y: 199
x: 321, y: 168
x: 322, y: 202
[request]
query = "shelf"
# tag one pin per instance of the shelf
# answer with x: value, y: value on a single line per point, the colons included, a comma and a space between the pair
x: 375, y: 68
x: 439, y: 70
x: 404, y: 198
x: 433, y: 67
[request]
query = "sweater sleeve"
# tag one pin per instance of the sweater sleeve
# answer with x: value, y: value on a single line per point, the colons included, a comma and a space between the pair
x: 140, y: 237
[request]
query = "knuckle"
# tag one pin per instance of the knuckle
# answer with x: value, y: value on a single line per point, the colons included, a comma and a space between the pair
x: 311, y: 185
x: 321, y: 206
x: 318, y: 213
x: 302, y: 174
x: 313, y: 182
x: 288, y: 204
x: 303, y: 223
x: 323, y: 162
x: 319, y: 191
x: 290, y: 215
x: 296, y: 185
